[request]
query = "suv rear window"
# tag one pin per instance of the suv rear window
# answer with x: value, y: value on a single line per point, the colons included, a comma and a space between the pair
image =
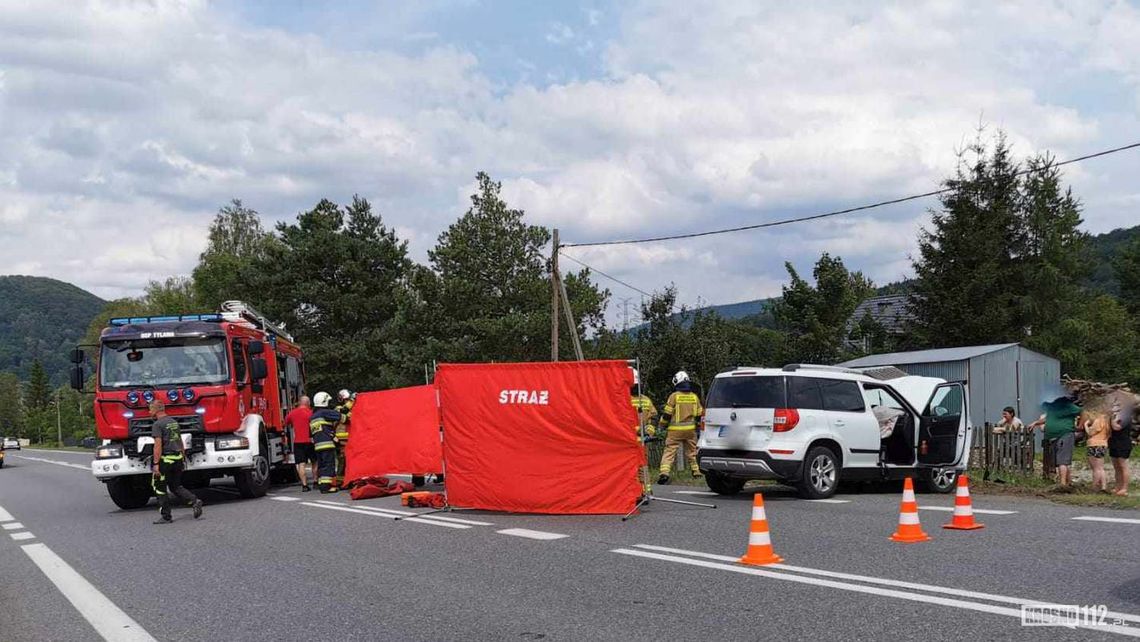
x: 747, y: 392
x: 842, y: 396
x: 804, y: 393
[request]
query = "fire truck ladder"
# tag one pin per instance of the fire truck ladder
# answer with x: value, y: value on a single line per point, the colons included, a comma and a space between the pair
x: 235, y: 310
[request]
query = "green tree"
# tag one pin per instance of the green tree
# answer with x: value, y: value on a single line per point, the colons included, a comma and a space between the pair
x: 237, y: 242
x: 1098, y: 342
x: 334, y: 277
x: 967, y: 286
x: 174, y: 295
x: 11, y: 406
x: 1127, y: 268
x: 38, y: 395
x: 817, y: 318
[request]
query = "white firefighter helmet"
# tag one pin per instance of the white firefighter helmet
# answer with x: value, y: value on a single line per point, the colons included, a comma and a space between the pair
x: 636, y: 377
x: 681, y: 376
x: 322, y: 400
x: 344, y: 395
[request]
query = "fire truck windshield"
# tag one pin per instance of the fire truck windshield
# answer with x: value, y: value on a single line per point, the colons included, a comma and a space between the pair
x: 163, y: 362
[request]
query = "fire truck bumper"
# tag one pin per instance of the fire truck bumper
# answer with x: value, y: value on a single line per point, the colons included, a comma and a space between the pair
x: 211, y: 459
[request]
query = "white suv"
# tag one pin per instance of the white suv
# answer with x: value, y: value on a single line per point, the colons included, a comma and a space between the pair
x: 810, y: 426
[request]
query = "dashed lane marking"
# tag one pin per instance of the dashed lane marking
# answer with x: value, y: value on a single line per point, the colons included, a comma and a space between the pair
x: 13, y: 526
x: 867, y: 579
x: 5, y: 516
x: 404, y: 514
x: 57, y: 463
x: 107, y: 619
x: 359, y: 511
x: 703, y: 493
x: 22, y: 535
x: 529, y: 534
x: 1113, y: 520
x: 281, y: 498
x: 980, y: 511
x: 830, y: 501
x: 876, y: 591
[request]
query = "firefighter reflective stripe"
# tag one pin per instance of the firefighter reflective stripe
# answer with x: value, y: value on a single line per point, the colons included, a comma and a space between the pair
x: 158, y: 483
x: 683, y: 410
x: 345, y: 410
x: 170, y: 459
x: 325, y: 480
x: 324, y: 445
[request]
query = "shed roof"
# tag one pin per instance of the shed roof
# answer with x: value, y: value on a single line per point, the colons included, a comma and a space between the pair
x: 925, y: 356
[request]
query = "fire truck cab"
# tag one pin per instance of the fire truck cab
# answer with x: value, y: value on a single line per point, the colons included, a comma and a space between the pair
x: 227, y: 378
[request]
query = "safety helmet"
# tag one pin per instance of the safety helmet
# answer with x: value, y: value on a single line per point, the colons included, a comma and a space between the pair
x: 636, y: 377
x: 681, y: 376
x: 343, y: 395
x: 322, y: 400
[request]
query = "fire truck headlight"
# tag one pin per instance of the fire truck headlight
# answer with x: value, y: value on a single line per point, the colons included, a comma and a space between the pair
x: 132, y: 397
x: 110, y: 451
x: 188, y: 394
x: 231, y: 443
x: 200, y: 410
x: 148, y: 396
x: 172, y: 395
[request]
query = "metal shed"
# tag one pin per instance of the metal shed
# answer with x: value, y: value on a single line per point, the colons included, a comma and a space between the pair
x: 1001, y: 375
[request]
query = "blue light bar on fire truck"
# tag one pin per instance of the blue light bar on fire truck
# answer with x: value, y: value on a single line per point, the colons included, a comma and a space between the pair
x: 121, y: 321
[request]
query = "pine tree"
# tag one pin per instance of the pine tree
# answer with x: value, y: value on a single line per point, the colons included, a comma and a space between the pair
x: 38, y: 395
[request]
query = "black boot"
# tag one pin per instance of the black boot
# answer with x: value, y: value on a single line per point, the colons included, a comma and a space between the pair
x: 306, y: 488
x: 663, y: 479
x: 164, y: 518
x: 197, y: 508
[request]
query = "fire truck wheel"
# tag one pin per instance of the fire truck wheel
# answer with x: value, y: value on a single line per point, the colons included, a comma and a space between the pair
x: 254, y: 482
x: 130, y: 492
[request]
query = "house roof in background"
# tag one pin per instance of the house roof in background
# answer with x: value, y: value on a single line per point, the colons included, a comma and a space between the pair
x: 888, y: 311
x: 925, y: 356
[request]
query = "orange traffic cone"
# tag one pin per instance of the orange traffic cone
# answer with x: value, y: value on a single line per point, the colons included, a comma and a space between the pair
x: 963, y: 511
x: 760, y: 550
x: 910, y: 530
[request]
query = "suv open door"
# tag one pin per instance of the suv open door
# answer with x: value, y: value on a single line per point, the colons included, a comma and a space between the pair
x: 944, y: 427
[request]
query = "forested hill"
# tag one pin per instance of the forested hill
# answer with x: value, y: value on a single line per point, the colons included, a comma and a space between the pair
x: 42, y: 318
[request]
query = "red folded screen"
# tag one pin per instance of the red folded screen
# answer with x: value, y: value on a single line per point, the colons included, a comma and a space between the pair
x: 394, y: 431
x: 540, y: 437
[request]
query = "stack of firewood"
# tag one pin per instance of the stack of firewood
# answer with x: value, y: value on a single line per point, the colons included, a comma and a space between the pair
x: 1100, y: 397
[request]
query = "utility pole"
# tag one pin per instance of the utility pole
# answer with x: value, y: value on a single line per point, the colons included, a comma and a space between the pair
x: 555, y: 294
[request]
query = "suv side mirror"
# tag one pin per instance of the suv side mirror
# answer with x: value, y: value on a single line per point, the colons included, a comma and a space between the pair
x: 77, y: 376
x: 259, y: 371
x: 256, y: 347
x: 77, y: 356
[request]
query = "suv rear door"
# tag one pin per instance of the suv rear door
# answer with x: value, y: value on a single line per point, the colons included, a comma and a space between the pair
x: 944, y: 427
x: 740, y: 410
x: 852, y: 421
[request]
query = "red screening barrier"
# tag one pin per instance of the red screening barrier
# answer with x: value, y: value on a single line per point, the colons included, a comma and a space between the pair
x: 540, y: 437
x: 394, y: 431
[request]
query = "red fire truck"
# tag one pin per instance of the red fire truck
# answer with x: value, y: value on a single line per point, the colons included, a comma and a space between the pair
x: 227, y: 378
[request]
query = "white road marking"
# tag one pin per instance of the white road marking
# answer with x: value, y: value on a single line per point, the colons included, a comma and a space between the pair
x: 285, y: 499
x: 22, y: 535
x: 694, y: 492
x: 107, y: 619
x: 331, y: 506
x: 391, y: 512
x: 57, y: 463
x: 5, y: 516
x: 830, y: 501
x: 929, y: 588
x: 1114, y: 520
x: 529, y: 534
x: 980, y: 511
x: 858, y: 588
x: 13, y: 526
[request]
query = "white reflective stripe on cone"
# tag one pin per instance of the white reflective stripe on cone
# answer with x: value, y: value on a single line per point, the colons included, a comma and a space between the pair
x: 963, y: 511
x: 908, y: 496
x: 758, y: 513
x: 908, y: 518
x: 963, y: 491
x: 759, y: 539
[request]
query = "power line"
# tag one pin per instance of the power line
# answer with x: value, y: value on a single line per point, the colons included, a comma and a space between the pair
x: 813, y: 217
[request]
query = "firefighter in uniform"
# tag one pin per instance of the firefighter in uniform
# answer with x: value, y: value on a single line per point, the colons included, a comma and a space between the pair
x: 169, y: 460
x: 345, y: 399
x: 646, y: 413
x: 681, y: 416
x: 322, y: 427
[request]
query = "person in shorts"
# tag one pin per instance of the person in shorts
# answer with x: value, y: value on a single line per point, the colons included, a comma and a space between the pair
x: 1096, y: 426
x: 1120, y: 445
x: 1059, y: 421
x: 297, y: 423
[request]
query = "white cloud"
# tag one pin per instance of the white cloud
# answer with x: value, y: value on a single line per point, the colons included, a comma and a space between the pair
x: 123, y: 126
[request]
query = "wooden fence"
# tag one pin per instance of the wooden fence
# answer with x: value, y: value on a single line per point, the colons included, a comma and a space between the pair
x: 1012, y: 452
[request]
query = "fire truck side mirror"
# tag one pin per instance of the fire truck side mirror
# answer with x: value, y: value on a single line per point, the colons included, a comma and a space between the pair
x: 77, y: 356
x: 259, y: 370
x: 77, y: 377
x: 256, y: 347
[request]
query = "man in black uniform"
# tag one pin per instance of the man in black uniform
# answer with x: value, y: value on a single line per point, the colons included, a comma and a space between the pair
x: 169, y: 459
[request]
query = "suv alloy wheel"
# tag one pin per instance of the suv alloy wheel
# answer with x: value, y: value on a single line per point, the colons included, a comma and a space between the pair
x: 820, y: 477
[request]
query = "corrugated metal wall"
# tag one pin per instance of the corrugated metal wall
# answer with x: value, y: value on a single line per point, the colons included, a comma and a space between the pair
x: 993, y: 384
x: 948, y: 370
x: 1040, y: 381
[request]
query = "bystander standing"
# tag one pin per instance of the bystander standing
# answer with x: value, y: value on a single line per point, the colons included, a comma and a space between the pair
x: 1120, y: 445
x: 1059, y: 421
x: 1009, y: 422
x: 297, y: 422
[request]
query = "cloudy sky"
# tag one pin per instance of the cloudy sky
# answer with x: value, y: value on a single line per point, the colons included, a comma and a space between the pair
x: 124, y: 126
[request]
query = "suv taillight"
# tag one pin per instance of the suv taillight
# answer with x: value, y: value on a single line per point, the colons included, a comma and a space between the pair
x: 785, y: 419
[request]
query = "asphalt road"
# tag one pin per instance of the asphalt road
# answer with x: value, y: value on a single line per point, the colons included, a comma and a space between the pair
x: 306, y: 566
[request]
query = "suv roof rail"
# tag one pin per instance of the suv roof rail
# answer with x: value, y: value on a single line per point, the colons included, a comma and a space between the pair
x: 793, y: 367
